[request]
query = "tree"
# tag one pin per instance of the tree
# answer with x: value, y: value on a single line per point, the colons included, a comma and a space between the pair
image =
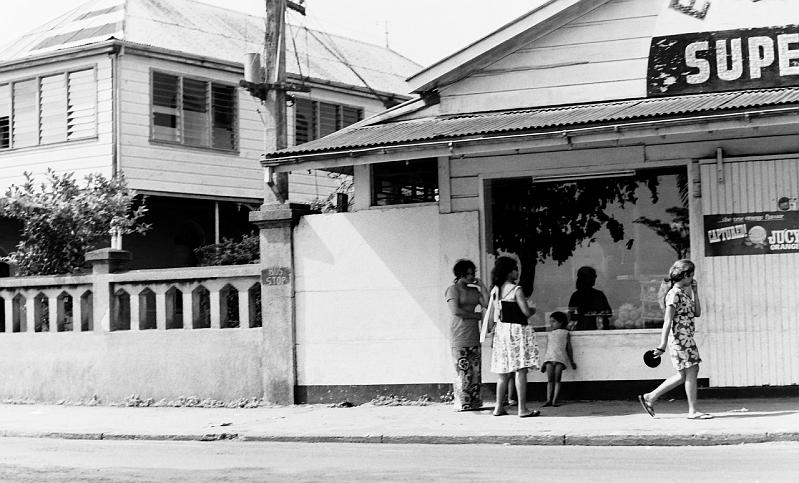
x: 61, y: 220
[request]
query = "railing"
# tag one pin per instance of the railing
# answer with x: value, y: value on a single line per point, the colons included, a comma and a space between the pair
x: 183, y: 298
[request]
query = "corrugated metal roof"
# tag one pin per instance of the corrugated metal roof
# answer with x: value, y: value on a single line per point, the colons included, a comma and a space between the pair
x: 451, y: 127
x: 217, y: 33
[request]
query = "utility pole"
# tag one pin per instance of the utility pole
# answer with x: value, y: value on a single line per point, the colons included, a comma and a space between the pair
x: 273, y: 91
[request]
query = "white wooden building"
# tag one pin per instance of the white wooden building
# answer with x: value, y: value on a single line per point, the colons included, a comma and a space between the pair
x: 511, y: 139
x: 150, y: 89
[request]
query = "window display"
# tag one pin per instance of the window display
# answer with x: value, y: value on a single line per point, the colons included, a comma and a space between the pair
x: 596, y: 247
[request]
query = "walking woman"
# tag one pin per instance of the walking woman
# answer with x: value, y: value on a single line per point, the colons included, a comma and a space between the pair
x: 465, y: 297
x: 514, y: 347
x: 681, y: 306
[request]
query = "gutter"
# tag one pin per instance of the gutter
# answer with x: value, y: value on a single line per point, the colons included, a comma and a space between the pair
x: 450, y: 144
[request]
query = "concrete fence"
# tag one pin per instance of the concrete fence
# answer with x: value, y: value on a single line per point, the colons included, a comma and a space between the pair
x: 156, y: 333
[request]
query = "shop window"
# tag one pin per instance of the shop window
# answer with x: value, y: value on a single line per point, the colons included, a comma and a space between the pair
x: 405, y: 182
x: 626, y: 228
x: 193, y: 112
x: 48, y: 109
x: 314, y: 119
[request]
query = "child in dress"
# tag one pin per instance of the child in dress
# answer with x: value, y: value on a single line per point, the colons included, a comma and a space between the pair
x: 681, y: 306
x: 559, y: 354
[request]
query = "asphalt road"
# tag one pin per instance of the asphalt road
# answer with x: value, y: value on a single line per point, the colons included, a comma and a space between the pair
x: 35, y: 460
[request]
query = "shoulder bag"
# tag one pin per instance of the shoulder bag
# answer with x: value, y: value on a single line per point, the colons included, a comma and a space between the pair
x: 510, y: 312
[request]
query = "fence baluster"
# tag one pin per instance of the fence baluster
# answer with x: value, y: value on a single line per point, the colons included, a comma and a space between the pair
x: 135, y: 316
x: 244, y: 308
x: 188, y: 308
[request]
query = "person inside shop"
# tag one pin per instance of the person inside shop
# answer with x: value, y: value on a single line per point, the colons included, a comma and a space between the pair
x: 465, y: 298
x: 588, y: 307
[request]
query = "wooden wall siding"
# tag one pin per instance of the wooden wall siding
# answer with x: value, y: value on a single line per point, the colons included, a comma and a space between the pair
x: 308, y: 186
x: 600, y: 56
x: 178, y: 169
x: 81, y: 157
x: 750, y: 328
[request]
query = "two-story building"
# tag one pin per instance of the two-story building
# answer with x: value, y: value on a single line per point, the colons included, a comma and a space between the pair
x: 150, y: 89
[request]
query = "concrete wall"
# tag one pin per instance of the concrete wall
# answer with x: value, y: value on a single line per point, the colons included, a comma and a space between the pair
x: 220, y: 364
x: 370, y: 294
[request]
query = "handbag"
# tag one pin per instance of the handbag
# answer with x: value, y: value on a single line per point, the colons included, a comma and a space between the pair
x: 511, y: 313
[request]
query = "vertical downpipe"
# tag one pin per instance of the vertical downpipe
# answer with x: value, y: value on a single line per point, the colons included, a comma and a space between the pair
x: 116, y: 238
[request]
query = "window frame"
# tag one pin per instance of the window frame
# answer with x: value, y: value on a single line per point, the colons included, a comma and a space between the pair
x: 590, y: 172
x: 37, y: 80
x: 180, y: 125
x: 373, y: 191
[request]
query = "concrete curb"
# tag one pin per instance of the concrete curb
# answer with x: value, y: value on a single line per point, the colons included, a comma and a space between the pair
x: 702, y: 439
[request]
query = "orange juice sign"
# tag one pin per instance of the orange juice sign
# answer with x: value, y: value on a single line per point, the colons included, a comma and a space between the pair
x: 751, y: 233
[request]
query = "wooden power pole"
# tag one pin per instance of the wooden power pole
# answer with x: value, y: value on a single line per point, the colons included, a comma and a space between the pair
x: 273, y: 91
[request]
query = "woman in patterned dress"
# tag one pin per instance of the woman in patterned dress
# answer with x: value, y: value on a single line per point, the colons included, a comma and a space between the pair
x: 463, y: 299
x: 514, y: 346
x: 681, y: 306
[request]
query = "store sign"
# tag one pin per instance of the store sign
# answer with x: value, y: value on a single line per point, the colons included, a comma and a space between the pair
x: 727, y: 60
x: 703, y: 46
x: 752, y: 233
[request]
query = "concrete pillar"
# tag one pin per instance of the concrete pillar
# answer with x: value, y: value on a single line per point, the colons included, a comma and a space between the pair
x: 104, y: 262
x: 275, y: 222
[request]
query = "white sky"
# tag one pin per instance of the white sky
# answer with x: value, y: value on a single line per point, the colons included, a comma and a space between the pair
x: 422, y: 30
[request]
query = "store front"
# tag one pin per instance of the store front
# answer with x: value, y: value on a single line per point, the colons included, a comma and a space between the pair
x: 688, y: 149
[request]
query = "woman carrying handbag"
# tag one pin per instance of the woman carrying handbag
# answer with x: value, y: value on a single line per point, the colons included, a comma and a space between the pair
x: 514, y: 345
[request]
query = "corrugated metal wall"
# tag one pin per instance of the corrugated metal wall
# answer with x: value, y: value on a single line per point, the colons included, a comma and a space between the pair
x: 750, y: 327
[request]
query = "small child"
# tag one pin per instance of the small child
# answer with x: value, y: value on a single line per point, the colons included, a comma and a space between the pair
x: 559, y: 354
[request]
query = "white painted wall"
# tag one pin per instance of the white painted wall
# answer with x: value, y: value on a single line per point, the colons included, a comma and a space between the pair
x: 370, y: 294
x: 81, y: 157
x: 599, y: 56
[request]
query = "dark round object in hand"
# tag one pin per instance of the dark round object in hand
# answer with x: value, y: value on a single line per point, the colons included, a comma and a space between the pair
x: 650, y: 359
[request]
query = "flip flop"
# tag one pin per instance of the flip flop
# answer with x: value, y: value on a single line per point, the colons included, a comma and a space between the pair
x: 500, y: 413
x: 531, y: 414
x: 647, y: 407
x: 701, y: 416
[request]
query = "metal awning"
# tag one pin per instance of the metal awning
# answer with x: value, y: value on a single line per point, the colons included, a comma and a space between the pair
x: 509, y: 122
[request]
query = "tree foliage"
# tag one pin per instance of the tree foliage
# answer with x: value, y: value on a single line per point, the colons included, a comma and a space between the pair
x: 230, y: 252
x: 62, y: 220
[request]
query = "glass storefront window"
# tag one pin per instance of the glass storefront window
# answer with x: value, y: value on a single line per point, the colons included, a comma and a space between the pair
x: 626, y: 228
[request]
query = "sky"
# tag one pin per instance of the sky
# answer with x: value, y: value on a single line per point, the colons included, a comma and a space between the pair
x: 422, y: 30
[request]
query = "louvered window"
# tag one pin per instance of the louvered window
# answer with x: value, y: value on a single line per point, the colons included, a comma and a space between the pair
x: 53, y: 109
x: 165, y: 107
x: 48, y: 109
x: 224, y: 116
x: 5, y: 116
x: 193, y: 112
x: 314, y: 119
x: 24, y: 130
x: 81, y: 105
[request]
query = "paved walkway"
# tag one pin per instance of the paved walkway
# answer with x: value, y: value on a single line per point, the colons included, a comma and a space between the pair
x: 578, y: 423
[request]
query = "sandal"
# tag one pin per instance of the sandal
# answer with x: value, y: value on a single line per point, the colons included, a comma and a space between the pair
x: 700, y: 416
x: 646, y: 405
x: 501, y: 412
x: 531, y: 414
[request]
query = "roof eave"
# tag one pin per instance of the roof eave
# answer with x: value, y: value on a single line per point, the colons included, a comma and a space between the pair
x: 80, y: 51
x: 530, y: 26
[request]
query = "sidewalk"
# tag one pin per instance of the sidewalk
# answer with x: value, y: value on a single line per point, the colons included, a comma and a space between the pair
x: 605, y: 423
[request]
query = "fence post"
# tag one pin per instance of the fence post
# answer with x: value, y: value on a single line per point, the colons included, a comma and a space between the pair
x: 104, y: 262
x: 275, y: 222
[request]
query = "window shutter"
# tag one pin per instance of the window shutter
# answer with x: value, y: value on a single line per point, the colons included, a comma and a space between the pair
x: 196, y: 122
x: 25, y: 121
x: 328, y: 119
x: 53, y: 109
x: 350, y: 115
x: 165, y: 107
x: 303, y: 121
x: 81, y: 105
x: 5, y: 116
x: 223, y: 104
